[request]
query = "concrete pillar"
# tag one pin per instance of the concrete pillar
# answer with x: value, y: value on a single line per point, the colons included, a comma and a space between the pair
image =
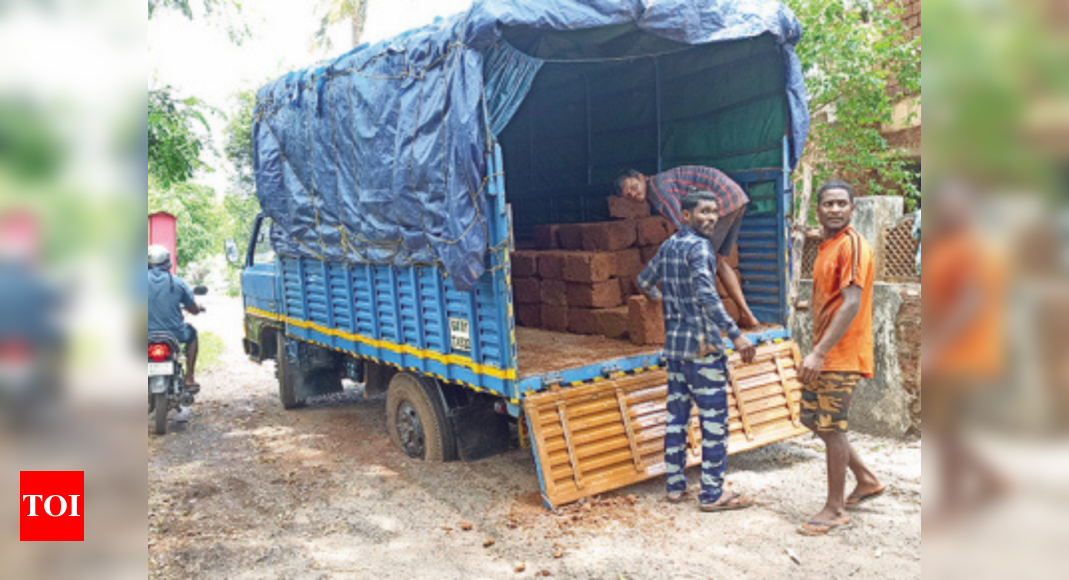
x: 881, y: 405
x: 874, y: 213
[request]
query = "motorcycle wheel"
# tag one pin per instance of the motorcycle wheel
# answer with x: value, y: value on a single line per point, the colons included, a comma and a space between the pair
x: 161, y: 413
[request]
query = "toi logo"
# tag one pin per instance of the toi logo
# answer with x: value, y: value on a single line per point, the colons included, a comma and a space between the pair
x: 52, y: 506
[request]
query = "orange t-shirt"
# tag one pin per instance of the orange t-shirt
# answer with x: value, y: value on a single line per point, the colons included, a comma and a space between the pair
x: 952, y: 263
x: 841, y: 261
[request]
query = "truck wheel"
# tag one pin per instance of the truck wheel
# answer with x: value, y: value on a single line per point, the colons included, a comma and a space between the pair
x: 161, y: 413
x: 416, y: 419
x: 287, y: 378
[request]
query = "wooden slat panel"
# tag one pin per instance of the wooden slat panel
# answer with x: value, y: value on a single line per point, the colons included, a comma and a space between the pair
x: 615, y: 428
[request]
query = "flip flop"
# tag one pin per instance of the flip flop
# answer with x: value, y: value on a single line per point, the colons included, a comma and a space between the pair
x: 193, y: 389
x: 819, y: 528
x: 854, y: 500
x: 726, y: 505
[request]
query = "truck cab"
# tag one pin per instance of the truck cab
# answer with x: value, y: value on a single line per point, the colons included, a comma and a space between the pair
x: 259, y: 294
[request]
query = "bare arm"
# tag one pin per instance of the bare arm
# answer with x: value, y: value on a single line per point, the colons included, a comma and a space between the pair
x: 840, y: 323
x: 195, y: 309
x: 704, y: 281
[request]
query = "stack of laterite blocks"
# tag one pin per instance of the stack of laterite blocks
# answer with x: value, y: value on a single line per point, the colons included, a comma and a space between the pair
x: 582, y: 277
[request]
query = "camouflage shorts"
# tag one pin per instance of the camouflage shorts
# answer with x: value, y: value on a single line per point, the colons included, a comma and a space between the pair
x: 826, y: 401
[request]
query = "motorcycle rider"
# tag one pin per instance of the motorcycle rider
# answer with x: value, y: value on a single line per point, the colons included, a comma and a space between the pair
x: 168, y: 295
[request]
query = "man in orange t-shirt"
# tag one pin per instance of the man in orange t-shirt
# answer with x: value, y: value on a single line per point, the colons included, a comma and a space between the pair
x: 843, y: 277
x: 964, y: 311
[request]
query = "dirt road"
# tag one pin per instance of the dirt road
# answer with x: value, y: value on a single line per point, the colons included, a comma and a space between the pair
x: 247, y: 490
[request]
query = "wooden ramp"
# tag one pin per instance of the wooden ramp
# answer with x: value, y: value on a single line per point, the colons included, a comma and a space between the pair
x: 592, y: 438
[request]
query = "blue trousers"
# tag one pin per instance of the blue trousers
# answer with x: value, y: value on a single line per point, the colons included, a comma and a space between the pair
x: 704, y: 382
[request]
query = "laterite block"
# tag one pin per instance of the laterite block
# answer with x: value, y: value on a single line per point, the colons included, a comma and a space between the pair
x: 628, y: 287
x: 570, y: 236
x: 551, y: 265
x: 582, y: 321
x: 526, y: 291
x: 546, y: 237
x: 612, y: 322
x: 654, y: 230
x: 629, y: 262
x: 645, y: 320
x: 648, y: 252
x: 589, y: 266
x: 609, y: 236
x: 555, y: 317
x: 529, y: 315
x: 623, y: 208
x: 524, y: 264
x: 594, y: 295
x: 554, y: 292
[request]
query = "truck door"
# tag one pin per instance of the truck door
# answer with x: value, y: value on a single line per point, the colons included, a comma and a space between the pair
x: 259, y: 292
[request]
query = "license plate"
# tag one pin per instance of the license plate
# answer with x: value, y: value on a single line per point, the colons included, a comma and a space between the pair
x: 460, y: 334
x: 162, y: 369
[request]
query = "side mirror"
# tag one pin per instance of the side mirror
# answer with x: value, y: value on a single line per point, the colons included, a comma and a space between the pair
x: 233, y: 256
x: 200, y: 290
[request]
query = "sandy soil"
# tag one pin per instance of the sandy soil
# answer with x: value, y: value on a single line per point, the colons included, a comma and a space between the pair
x: 247, y: 490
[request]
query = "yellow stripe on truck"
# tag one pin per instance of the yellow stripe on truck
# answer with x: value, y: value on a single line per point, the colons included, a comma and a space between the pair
x: 488, y: 370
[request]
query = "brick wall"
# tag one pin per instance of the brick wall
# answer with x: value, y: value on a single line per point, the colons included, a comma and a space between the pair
x: 911, y: 17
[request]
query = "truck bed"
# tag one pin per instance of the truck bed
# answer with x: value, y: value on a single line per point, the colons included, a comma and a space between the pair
x: 544, y: 351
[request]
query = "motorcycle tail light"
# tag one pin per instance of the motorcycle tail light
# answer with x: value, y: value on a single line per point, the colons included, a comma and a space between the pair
x: 159, y: 352
x: 15, y: 351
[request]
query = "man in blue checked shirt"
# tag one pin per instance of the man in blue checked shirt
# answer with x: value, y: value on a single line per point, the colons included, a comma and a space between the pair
x: 685, y: 267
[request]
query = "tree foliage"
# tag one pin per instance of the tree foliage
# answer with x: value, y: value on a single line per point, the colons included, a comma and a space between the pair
x: 198, y: 215
x: 336, y: 11
x: 240, y: 202
x: 177, y: 133
x: 850, y: 54
x: 224, y: 12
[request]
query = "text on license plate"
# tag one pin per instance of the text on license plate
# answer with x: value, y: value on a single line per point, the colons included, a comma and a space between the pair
x: 160, y: 369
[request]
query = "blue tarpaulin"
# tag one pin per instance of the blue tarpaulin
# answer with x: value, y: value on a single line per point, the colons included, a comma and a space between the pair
x: 380, y: 155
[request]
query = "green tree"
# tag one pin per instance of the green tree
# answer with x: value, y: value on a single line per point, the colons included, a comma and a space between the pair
x: 225, y: 12
x: 335, y: 11
x: 199, y: 218
x: 240, y: 202
x: 177, y: 133
x: 850, y: 53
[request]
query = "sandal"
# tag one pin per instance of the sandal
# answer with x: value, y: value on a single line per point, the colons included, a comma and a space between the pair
x: 735, y: 501
x: 819, y: 528
x: 854, y: 499
x: 675, y: 496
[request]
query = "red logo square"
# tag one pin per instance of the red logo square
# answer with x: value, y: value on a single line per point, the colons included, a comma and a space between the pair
x: 52, y: 506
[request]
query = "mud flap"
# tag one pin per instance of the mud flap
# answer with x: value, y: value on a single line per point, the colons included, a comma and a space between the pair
x: 481, y: 432
x: 592, y: 438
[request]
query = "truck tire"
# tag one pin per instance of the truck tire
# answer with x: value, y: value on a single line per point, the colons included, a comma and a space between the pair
x: 416, y: 419
x: 287, y: 376
x: 161, y: 413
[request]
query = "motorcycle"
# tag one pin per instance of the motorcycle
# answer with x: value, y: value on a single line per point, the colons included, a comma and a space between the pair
x: 29, y: 380
x: 167, y: 376
x: 31, y: 347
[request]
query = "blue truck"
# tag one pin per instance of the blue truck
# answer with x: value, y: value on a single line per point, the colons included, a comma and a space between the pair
x: 397, y: 180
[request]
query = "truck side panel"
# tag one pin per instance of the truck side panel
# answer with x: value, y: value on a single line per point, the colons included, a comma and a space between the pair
x: 402, y: 316
x: 763, y: 243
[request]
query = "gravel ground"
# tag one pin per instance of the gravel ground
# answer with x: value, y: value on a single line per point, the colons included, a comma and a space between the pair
x: 247, y: 490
